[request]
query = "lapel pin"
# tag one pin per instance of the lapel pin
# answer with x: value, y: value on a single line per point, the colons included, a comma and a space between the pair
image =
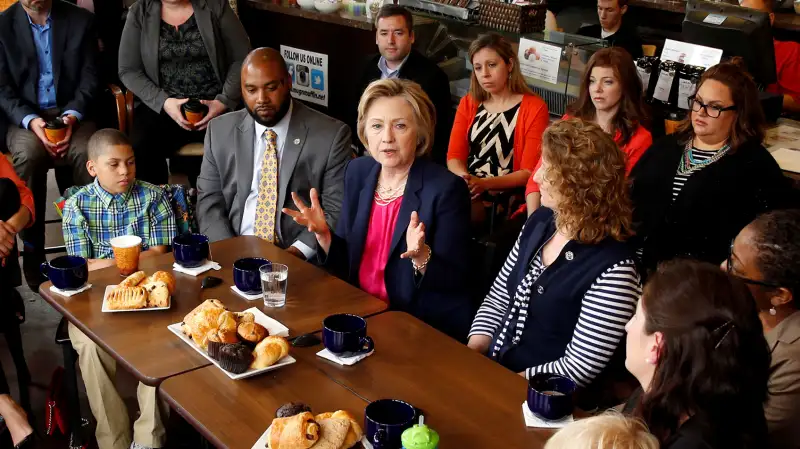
x: 297, y: 141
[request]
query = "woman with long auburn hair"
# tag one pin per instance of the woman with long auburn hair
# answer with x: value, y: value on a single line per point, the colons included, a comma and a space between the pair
x: 610, y: 97
x: 570, y: 283
x: 697, y: 348
x: 497, y: 134
x: 694, y: 190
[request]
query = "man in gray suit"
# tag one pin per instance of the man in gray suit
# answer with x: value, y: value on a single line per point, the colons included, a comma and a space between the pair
x: 255, y: 158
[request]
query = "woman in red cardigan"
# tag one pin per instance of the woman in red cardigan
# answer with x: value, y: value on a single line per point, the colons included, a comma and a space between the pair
x: 497, y: 134
x: 611, y: 97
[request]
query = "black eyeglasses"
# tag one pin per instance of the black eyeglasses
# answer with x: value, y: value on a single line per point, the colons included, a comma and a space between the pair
x: 744, y: 279
x: 712, y: 111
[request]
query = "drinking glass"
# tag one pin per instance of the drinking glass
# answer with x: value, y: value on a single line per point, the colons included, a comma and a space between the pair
x: 274, y: 278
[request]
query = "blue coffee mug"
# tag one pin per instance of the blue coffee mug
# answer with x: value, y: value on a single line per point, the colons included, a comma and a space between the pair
x: 190, y: 250
x: 550, y: 395
x: 246, y: 275
x: 386, y: 420
x: 345, y: 333
x: 66, y: 272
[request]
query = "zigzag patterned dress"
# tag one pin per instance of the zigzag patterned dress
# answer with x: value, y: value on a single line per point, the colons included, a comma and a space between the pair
x: 491, y: 142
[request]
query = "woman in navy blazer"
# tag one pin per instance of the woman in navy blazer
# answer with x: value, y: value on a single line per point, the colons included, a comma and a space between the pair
x: 403, y: 233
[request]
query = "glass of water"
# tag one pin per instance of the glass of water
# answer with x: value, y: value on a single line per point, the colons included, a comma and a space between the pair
x: 274, y: 278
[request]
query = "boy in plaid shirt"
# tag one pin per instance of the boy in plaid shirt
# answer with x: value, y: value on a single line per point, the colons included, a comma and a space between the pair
x: 115, y: 204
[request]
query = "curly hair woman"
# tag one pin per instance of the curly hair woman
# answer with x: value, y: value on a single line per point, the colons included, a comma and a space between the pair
x: 561, y: 301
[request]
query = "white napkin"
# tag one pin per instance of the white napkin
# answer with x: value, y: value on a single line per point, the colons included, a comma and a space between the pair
x: 532, y: 420
x: 196, y: 271
x: 346, y: 361
x: 69, y: 293
x: 244, y: 295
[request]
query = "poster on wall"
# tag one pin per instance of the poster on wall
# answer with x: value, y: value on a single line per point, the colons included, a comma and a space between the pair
x: 539, y: 60
x: 309, y: 72
x: 691, y: 54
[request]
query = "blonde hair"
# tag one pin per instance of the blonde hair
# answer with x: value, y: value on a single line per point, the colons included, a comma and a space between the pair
x: 421, y: 105
x: 496, y: 42
x: 607, y: 431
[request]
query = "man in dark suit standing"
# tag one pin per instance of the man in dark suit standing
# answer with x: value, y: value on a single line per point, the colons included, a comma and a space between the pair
x: 47, y: 73
x: 613, y: 28
x: 394, y: 36
x: 256, y: 157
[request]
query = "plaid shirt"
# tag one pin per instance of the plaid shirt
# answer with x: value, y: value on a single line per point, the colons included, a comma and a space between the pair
x: 92, y: 217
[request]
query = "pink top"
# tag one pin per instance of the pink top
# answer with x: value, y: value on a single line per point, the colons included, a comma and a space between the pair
x: 377, y: 247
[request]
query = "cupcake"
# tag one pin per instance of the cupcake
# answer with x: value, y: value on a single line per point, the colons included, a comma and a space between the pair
x: 214, y: 345
x: 235, y: 358
x: 252, y: 333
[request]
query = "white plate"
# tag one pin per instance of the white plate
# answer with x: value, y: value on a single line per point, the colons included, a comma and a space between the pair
x: 273, y: 326
x: 262, y: 442
x: 109, y: 288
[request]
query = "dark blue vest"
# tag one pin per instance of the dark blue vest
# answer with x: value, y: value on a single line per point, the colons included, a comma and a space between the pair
x: 556, y: 296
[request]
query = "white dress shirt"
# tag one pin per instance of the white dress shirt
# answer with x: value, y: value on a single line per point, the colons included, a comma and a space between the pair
x: 386, y: 72
x: 247, y: 227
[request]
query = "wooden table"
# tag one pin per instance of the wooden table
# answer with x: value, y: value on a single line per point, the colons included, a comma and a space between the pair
x: 141, y: 342
x: 470, y: 400
x: 234, y: 413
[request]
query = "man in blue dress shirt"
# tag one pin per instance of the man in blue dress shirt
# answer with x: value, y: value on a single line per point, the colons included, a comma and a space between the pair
x: 47, y: 72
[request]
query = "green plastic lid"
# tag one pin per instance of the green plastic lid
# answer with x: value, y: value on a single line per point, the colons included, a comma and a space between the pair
x: 420, y: 437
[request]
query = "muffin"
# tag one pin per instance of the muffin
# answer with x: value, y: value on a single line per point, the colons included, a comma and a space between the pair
x: 235, y: 358
x: 291, y: 409
x: 252, y: 333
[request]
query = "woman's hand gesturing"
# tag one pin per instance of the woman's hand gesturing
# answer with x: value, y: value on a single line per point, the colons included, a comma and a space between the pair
x: 313, y: 218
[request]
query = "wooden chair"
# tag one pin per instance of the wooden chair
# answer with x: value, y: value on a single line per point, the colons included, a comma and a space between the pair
x: 649, y: 50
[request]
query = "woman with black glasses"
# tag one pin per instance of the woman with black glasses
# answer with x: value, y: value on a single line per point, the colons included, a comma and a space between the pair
x: 693, y: 191
x: 766, y: 256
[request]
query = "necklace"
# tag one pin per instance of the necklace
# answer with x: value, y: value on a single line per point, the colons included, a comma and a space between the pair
x: 385, y: 195
x: 689, y: 164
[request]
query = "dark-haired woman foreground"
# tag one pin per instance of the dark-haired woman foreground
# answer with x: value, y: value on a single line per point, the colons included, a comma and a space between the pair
x: 766, y: 256
x: 697, y: 349
x: 694, y: 191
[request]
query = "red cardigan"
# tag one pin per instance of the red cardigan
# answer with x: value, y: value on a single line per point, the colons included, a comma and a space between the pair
x: 25, y: 195
x: 639, y: 142
x: 532, y: 120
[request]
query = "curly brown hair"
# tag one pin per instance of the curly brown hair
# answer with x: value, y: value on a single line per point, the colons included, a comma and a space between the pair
x: 587, y: 171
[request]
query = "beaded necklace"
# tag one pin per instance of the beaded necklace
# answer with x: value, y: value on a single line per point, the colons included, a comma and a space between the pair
x: 689, y: 165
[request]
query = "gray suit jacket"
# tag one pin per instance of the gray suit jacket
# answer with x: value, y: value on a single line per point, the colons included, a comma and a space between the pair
x: 223, y: 35
x: 782, y: 409
x: 314, y: 155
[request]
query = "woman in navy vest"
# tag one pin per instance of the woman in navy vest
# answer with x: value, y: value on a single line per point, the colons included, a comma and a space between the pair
x: 561, y: 301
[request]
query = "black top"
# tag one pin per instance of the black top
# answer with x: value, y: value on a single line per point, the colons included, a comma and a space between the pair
x: 185, y: 69
x: 626, y: 37
x: 491, y: 142
x: 433, y: 81
x: 713, y: 206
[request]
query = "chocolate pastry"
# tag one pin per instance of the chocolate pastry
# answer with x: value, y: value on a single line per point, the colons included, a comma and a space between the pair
x: 235, y: 358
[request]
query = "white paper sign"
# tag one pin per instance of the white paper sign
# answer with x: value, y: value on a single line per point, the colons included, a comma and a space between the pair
x: 685, y: 90
x: 691, y: 54
x: 715, y: 19
x: 309, y: 72
x: 644, y: 75
x: 538, y: 60
x: 663, y: 86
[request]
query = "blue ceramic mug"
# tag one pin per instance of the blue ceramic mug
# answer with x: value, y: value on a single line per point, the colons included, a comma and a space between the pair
x: 550, y: 395
x: 345, y: 333
x: 386, y: 420
x: 246, y: 275
x: 66, y: 272
x: 190, y: 250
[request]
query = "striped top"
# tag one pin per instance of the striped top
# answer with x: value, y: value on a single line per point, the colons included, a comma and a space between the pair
x: 607, y: 306
x: 680, y: 180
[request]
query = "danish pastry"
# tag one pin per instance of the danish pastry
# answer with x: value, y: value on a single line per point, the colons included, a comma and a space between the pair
x: 127, y: 298
x: 132, y: 280
x: 268, y: 351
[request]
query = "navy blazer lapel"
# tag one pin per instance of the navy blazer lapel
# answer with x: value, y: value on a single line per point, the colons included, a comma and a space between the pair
x: 58, y: 31
x: 25, y: 35
x: 528, y: 248
x: 410, y: 204
x: 358, y: 233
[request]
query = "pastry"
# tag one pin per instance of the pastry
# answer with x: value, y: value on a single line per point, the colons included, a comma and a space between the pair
x: 202, y: 319
x: 332, y: 433
x: 161, y: 276
x: 227, y: 322
x: 291, y: 409
x: 235, y: 358
x: 213, y: 345
x: 295, y: 432
x: 157, y: 294
x: 132, y: 280
x: 245, y: 317
x: 127, y: 298
x: 354, y: 434
x: 270, y: 350
x: 252, y: 332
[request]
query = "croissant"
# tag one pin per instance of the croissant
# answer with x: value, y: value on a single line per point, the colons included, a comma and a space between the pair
x: 127, y: 298
x: 332, y: 433
x: 203, y: 319
x: 268, y: 351
x: 161, y: 276
x: 354, y: 433
x: 132, y: 280
x: 296, y: 432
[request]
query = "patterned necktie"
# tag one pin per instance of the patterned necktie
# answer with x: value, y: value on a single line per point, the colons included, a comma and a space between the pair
x: 266, y: 207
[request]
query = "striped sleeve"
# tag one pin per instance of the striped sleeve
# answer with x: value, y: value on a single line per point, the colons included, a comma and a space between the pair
x: 491, y: 313
x: 606, y: 307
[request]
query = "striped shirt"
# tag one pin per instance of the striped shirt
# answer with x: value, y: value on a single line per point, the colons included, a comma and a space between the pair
x: 606, y: 307
x: 93, y: 216
x: 680, y: 179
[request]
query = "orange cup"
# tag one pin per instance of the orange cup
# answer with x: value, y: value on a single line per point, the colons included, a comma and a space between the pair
x: 55, y: 135
x: 194, y: 117
x: 126, y: 253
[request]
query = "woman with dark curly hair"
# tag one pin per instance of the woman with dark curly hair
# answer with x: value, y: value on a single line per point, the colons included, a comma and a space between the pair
x: 698, y: 351
x: 561, y: 301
